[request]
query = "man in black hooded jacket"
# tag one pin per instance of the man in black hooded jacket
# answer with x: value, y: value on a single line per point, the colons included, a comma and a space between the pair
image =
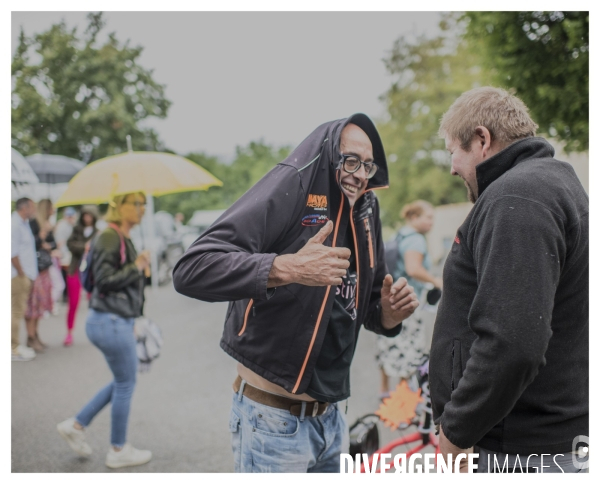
x: 300, y: 258
x: 509, y: 364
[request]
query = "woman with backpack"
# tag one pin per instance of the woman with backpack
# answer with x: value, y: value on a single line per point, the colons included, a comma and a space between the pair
x: 83, y: 232
x: 117, y: 299
x: 400, y: 356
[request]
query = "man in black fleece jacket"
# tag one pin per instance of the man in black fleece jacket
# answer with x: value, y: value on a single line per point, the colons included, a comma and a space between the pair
x: 509, y: 358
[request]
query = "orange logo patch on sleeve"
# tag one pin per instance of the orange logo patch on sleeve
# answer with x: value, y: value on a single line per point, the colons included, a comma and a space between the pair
x: 316, y: 201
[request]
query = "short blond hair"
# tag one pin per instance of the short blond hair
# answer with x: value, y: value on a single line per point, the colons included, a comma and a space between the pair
x: 504, y: 115
x: 113, y: 215
x: 415, y: 209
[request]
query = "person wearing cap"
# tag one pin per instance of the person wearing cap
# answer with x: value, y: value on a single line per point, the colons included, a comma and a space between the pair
x: 62, y: 232
x: 83, y: 232
x: 300, y: 258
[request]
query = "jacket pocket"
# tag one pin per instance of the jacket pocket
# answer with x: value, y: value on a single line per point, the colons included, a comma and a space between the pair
x: 456, y: 364
x: 246, y: 314
x: 267, y: 330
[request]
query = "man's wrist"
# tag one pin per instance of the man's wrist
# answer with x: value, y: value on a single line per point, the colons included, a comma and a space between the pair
x: 281, y: 271
x: 388, y: 322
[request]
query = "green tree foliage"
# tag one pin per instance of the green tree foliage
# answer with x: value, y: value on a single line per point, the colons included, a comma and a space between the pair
x: 250, y: 164
x: 429, y: 74
x: 74, y: 97
x: 544, y: 56
x: 188, y: 202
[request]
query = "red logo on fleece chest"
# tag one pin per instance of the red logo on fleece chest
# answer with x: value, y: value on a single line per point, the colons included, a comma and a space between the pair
x: 456, y: 239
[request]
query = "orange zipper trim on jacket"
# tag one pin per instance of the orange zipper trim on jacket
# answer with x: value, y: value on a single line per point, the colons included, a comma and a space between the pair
x: 368, y: 230
x: 356, y: 257
x: 314, y: 336
x: 246, y: 317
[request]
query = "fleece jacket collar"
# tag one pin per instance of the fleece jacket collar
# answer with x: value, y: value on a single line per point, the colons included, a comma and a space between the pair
x: 494, y: 167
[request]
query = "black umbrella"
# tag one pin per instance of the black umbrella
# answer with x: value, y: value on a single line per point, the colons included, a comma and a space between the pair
x: 54, y: 168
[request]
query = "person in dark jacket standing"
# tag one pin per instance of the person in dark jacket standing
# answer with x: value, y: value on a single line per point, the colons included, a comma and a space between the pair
x: 117, y: 298
x: 82, y: 234
x: 300, y: 256
x: 509, y: 367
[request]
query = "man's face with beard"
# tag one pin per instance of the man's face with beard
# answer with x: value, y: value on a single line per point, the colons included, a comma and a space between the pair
x: 464, y: 164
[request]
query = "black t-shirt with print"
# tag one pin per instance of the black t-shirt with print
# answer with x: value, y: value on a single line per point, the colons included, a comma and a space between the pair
x: 331, y: 377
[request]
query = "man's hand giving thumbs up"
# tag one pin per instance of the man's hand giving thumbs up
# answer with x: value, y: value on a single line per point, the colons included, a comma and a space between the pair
x: 313, y: 265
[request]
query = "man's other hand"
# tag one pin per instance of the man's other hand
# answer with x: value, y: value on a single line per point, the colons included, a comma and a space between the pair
x: 313, y: 265
x: 447, y: 447
x: 398, y: 301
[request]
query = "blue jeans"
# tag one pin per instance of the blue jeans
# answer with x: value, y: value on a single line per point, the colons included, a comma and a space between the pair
x: 267, y: 439
x: 113, y: 335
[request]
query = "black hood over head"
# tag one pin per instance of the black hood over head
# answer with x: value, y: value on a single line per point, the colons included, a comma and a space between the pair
x: 380, y: 180
x: 325, y: 142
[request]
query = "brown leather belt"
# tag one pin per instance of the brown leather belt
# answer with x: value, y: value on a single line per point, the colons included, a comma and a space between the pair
x: 313, y: 409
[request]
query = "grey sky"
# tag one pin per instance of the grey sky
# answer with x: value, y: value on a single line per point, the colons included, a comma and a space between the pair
x: 238, y: 77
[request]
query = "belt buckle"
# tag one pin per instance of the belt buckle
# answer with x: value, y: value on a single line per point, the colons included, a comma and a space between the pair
x: 315, y: 409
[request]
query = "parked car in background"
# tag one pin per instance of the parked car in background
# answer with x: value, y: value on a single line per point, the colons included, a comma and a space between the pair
x: 167, y: 241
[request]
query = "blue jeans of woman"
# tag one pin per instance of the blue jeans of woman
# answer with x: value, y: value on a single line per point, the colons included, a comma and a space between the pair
x: 113, y: 336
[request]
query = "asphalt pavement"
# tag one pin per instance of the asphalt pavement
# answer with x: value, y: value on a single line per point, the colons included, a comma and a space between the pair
x: 180, y: 409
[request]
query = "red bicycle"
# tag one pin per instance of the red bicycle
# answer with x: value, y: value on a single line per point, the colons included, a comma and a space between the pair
x: 404, y: 406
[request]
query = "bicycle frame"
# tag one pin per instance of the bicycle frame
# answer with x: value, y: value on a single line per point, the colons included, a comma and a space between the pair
x: 425, y: 434
x: 426, y: 439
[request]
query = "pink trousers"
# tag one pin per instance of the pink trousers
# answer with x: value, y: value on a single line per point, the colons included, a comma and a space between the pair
x: 73, y: 292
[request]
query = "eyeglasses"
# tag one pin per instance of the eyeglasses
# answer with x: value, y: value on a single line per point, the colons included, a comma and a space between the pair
x: 352, y: 163
x: 136, y: 204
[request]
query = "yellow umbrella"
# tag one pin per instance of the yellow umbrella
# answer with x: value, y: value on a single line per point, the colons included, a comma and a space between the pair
x: 150, y: 172
x: 135, y: 171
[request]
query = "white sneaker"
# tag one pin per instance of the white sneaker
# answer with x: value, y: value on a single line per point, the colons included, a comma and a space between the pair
x: 74, y: 437
x: 127, y: 456
x: 22, y: 353
x: 26, y: 350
